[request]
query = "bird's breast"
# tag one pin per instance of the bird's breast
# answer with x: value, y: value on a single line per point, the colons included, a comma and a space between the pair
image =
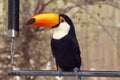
x: 63, y: 49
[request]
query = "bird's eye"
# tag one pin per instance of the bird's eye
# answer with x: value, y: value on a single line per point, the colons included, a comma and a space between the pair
x: 62, y: 20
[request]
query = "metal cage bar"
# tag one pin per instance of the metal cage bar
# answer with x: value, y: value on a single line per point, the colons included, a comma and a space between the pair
x: 56, y: 73
x: 13, y: 15
x: 13, y: 18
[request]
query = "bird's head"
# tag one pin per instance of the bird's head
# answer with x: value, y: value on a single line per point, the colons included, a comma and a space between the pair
x: 51, y: 20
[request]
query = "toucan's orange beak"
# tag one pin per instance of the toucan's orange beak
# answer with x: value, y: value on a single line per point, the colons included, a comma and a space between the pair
x: 47, y: 20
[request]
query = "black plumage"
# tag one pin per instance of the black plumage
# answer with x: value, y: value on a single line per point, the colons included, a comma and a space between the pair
x: 66, y: 50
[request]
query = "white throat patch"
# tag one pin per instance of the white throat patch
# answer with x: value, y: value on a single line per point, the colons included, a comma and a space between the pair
x: 61, y: 31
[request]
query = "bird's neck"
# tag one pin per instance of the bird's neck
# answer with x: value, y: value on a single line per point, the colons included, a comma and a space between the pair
x: 59, y: 34
x: 61, y: 31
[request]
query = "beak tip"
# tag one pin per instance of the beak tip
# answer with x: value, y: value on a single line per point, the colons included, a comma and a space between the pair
x: 30, y: 21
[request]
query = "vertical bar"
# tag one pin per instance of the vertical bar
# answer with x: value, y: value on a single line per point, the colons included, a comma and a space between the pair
x: 13, y: 17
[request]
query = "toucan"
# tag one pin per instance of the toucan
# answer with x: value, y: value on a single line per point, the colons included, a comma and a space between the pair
x: 64, y: 44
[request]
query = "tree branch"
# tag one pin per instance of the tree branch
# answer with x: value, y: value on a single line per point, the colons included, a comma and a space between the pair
x: 37, y: 7
x: 66, y: 9
x: 43, y: 6
x: 98, y: 21
x: 102, y: 2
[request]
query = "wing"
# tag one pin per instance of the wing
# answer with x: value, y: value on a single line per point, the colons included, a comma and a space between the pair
x: 76, y: 51
x: 54, y: 52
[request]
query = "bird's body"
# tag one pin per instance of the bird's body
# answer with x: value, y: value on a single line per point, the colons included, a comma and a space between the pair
x: 64, y: 44
x: 65, y: 52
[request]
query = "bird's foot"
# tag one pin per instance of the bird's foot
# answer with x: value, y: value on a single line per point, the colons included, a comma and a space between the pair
x: 59, y: 72
x: 76, y: 73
